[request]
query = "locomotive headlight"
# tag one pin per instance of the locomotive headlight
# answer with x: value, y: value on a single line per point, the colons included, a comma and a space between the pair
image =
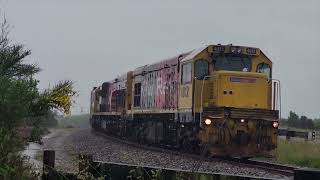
x: 207, y: 121
x: 242, y: 120
x: 275, y: 124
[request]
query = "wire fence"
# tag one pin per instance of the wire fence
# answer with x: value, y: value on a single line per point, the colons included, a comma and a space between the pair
x: 89, y: 166
x: 67, y: 159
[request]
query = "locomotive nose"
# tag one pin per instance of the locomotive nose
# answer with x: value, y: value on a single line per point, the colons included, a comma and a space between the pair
x: 242, y: 89
x: 246, y: 137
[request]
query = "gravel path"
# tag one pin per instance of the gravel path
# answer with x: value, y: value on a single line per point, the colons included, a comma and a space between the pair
x: 83, y: 141
x: 58, y: 140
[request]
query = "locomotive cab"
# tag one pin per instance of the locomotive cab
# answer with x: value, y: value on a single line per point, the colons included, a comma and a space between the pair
x: 232, y: 95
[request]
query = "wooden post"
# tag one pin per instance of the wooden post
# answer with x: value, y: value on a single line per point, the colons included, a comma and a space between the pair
x: 216, y: 177
x: 48, y: 160
x: 168, y: 174
x: 48, y: 164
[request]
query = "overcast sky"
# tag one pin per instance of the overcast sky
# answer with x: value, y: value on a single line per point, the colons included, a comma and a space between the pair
x: 91, y: 41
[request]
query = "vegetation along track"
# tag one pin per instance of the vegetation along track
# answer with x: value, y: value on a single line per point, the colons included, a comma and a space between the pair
x: 279, y: 169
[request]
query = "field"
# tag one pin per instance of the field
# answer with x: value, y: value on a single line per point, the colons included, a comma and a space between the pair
x: 299, y: 153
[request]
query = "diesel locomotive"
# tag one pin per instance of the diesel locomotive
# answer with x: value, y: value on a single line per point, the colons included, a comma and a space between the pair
x: 220, y: 100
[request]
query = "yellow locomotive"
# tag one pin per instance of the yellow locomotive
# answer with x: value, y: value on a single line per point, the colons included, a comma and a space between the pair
x: 219, y: 100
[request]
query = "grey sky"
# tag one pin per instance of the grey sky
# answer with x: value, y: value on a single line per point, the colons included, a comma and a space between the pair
x: 93, y: 41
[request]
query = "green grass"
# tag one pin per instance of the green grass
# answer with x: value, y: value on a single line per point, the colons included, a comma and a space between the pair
x: 299, y: 153
x: 76, y: 121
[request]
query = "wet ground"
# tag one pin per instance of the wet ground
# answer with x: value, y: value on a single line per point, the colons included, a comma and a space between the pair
x: 65, y: 158
x: 32, y: 151
x: 56, y: 140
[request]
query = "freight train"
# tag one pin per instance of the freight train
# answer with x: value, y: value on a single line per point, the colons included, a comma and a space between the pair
x: 220, y: 100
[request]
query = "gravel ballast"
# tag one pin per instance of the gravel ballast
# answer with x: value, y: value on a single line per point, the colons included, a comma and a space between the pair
x: 83, y: 141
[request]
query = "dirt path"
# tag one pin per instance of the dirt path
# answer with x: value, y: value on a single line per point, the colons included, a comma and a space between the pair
x: 57, y: 140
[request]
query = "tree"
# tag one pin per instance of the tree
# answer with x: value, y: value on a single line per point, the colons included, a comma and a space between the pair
x: 310, y: 124
x: 317, y: 124
x: 306, y: 123
x: 283, y: 122
x: 303, y: 122
x: 293, y: 119
x: 12, y: 57
x: 21, y: 101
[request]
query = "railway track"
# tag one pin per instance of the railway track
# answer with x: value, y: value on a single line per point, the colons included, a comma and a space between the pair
x: 268, y: 166
x: 286, y: 171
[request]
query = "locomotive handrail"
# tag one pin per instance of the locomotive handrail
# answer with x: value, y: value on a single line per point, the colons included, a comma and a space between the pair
x: 201, y: 98
x: 277, y: 85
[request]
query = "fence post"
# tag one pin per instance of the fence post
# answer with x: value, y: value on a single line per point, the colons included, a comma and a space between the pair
x: 48, y: 164
x: 168, y: 174
x: 216, y: 177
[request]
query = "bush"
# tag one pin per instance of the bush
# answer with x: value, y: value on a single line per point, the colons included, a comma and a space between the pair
x: 21, y: 103
x: 17, y: 168
x: 37, y: 133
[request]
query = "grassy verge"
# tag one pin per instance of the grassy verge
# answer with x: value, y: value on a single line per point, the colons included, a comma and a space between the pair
x: 299, y: 153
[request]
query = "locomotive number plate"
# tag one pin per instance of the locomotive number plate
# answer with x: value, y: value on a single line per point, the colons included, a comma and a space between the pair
x: 242, y: 80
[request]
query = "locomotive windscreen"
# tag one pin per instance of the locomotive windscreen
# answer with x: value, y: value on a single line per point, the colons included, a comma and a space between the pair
x: 232, y: 62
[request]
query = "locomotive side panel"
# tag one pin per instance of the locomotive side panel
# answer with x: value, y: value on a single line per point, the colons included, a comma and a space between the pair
x: 155, y: 87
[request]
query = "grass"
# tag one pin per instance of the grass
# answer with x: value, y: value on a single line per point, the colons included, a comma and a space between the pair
x: 77, y: 121
x: 301, y: 153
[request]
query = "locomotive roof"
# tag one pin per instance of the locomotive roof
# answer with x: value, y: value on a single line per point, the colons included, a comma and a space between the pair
x: 251, y: 51
x: 173, y: 61
x: 193, y: 54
